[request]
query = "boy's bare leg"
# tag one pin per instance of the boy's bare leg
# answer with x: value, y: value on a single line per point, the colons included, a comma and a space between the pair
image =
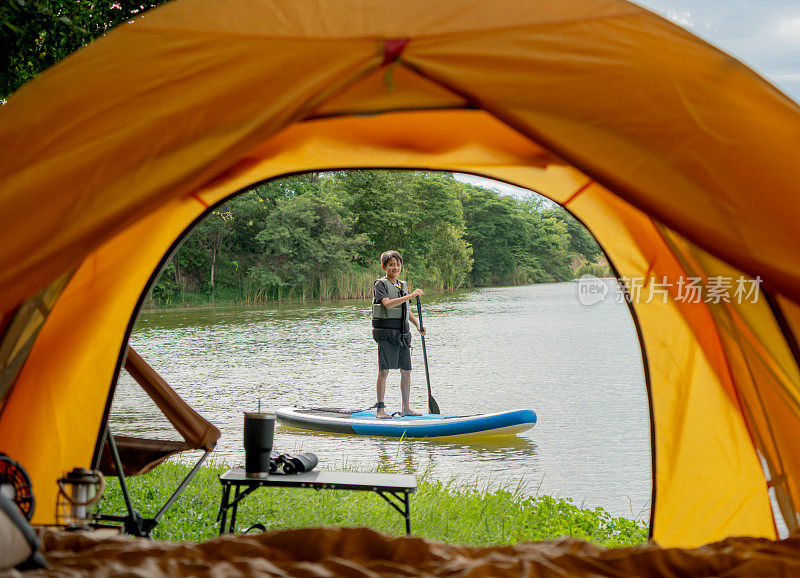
x: 380, y: 387
x: 405, y: 391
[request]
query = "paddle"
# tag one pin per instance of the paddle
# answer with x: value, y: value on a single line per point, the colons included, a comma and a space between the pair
x: 433, y: 407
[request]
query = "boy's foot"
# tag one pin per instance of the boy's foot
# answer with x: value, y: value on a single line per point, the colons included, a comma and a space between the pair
x: 410, y: 412
x: 382, y: 414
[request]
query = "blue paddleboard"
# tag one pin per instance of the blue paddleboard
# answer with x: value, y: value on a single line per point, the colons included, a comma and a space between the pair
x: 421, y: 426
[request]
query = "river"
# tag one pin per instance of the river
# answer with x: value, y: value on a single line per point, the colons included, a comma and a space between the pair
x: 537, y: 347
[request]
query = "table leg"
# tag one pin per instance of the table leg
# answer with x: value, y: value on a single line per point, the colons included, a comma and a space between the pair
x: 407, y: 513
x: 393, y: 499
x: 235, y: 509
x: 223, y: 507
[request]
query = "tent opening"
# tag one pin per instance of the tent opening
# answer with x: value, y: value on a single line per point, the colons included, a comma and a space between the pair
x: 266, y: 301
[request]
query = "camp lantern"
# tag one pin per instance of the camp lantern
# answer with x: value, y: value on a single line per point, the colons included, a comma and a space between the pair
x: 78, y: 491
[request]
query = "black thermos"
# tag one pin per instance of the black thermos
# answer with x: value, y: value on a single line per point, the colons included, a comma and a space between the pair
x: 259, y: 429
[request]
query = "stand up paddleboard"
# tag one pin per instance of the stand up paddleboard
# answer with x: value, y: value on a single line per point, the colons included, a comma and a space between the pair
x: 365, y: 423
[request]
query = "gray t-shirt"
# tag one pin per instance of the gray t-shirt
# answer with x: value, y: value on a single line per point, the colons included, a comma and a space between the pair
x: 380, y: 291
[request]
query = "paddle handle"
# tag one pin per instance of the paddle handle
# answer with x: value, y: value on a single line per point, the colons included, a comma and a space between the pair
x: 433, y: 407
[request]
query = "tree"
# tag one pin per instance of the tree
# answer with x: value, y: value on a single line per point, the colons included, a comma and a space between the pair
x: 306, y: 239
x: 38, y: 33
x: 438, y: 254
x: 496, y: 230
x: 581, y: 240
x: 518, y: 241
x: 320, y: 235
x: 379, y: 204
x: 417, y: 213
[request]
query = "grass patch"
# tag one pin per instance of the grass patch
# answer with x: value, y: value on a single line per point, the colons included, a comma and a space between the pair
x: 468, y: 515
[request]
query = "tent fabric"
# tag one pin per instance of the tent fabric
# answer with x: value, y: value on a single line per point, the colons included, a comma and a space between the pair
x: 19, y: 329
x: 363, y: 552
x: 676, y: 157
x: 58, y: 391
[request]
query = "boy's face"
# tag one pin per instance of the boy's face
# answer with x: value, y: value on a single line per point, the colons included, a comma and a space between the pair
x: 393, y: 267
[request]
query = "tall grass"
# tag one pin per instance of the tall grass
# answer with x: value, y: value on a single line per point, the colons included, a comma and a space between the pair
x: 356, y: 284
x: 465, y: 514
x: 346, y: 284
x: 350, y: 283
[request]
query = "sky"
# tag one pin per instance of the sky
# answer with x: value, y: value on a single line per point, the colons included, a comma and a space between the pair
x: 765, y: 35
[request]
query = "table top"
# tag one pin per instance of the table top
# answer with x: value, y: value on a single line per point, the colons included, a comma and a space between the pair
x: 320, y: 479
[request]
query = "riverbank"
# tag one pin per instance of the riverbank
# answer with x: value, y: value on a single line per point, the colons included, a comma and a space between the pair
x: 464, y: 514
x: 349, y: 287
x: 233, y: 298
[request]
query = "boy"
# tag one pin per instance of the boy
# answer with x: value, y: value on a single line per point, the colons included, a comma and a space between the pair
x: 390, y: 317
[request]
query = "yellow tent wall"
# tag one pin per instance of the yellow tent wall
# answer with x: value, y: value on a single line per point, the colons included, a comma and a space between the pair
x: 673, y: 154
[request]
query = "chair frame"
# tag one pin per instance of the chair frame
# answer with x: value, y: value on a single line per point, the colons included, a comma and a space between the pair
x: 134, y: 523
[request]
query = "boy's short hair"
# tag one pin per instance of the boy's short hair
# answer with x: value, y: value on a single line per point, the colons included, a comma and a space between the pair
x: 386, y: 255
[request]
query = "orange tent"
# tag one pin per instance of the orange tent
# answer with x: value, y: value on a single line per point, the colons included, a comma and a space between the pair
x: 677, y: 157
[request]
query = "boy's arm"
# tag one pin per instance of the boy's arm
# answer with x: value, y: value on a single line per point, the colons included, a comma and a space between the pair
x: 389, y: 303
x: 415, y: 322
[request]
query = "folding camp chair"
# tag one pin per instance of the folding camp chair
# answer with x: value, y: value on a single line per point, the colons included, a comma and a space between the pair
x: 130, y: 456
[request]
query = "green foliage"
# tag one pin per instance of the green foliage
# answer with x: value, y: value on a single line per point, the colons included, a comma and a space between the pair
x: 306, y: 240
x: 465, y: 514
x: 319, y: 236
x: 516, y: 241
x: 419, y: 214
x: 581, y: 241
x: 596, y: 269
x: 35, y: 34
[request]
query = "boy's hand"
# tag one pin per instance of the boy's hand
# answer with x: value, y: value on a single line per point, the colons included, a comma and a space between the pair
x: 423, y: 331
x: 416, y: 293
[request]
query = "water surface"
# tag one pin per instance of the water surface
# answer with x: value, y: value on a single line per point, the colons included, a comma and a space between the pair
x: 534, y: 347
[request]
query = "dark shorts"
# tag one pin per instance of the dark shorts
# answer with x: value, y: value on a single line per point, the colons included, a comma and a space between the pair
x: 393, y: 355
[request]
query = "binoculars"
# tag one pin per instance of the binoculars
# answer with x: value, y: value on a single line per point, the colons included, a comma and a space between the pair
x: 293, y: 464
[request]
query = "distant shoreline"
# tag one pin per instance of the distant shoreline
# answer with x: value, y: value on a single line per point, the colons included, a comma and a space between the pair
x: 200, y: 302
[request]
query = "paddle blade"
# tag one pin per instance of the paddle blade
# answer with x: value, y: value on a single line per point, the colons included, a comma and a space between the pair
x: 433, y: 407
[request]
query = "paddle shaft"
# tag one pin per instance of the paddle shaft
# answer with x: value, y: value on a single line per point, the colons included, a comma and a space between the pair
x: 433, y: 407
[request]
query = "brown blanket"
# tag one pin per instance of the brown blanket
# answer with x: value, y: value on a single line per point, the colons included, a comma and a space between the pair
x: 359, y: 552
